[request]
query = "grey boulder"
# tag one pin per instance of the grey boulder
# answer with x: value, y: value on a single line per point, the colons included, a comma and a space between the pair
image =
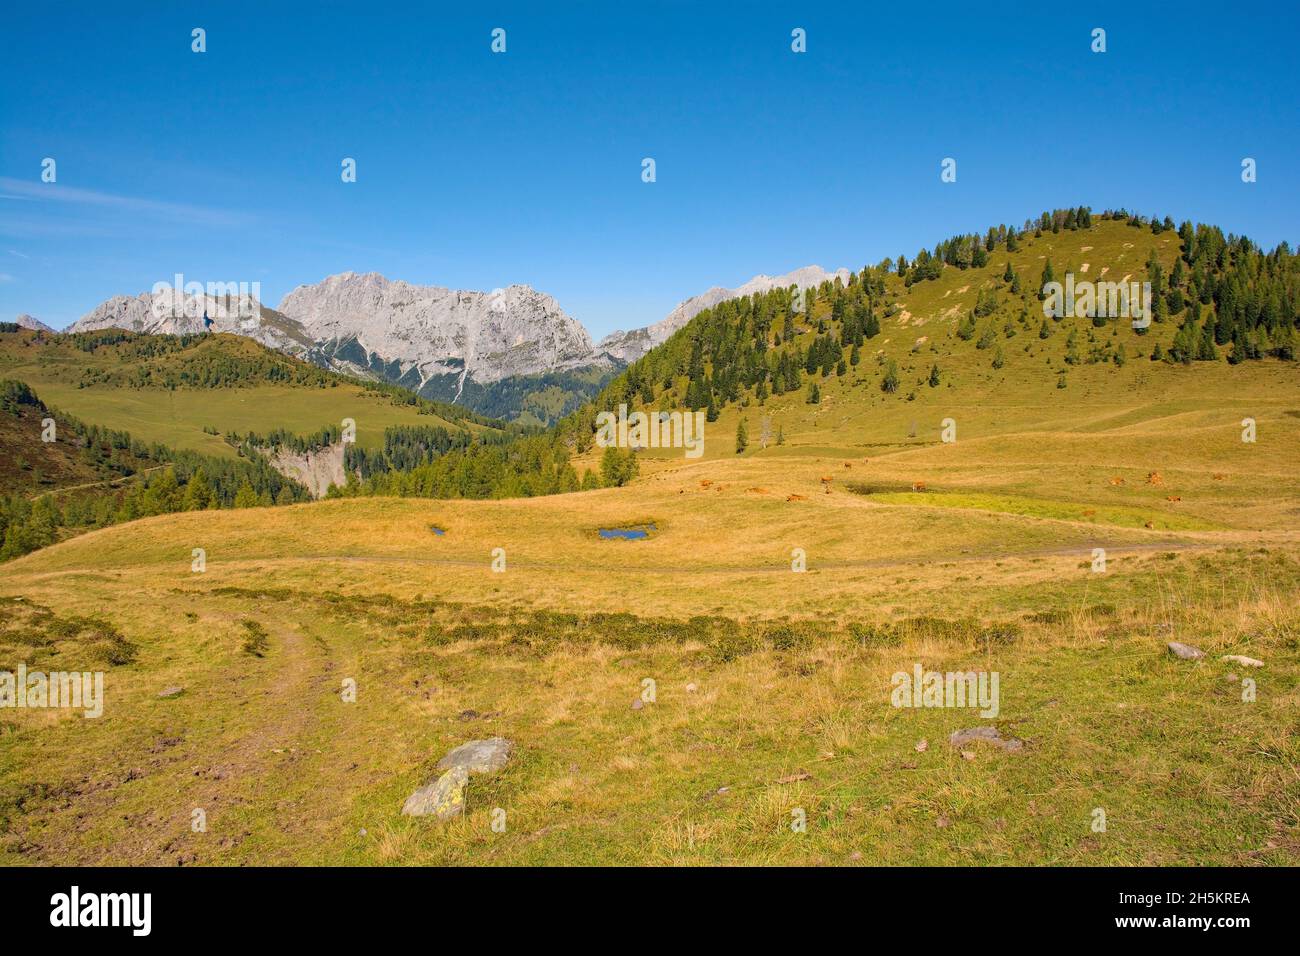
x: 478, y: 756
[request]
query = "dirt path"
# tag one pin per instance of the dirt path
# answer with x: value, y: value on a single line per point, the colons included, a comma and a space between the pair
x: 188, y: 762
x: 94, y: 484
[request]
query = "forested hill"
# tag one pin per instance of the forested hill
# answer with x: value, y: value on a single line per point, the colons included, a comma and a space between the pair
x: 973, y: 304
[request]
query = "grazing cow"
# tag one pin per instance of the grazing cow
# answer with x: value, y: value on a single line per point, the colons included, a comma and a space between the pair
x: 918, y: 486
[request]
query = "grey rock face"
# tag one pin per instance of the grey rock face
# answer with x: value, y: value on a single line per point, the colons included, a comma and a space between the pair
x: 435, y: 331
x: 317, y: 470
x: 1185, y: 651
x: 31, y: 322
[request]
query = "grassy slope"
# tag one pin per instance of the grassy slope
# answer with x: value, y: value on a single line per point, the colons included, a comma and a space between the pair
x: 30, y: 466
x: 178, y: 417
x: 1185, y: 770
x: 445, y: 650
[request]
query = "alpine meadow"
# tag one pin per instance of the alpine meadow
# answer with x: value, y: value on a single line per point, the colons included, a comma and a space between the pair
x: 983, y: 550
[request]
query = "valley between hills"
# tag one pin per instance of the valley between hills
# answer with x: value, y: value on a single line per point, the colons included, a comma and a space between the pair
x: 910, y: 466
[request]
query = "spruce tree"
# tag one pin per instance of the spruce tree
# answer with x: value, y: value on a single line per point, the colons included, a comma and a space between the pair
x: 1048, y: 276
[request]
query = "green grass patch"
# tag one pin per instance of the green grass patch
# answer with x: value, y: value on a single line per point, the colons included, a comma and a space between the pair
x: 1117, y: 515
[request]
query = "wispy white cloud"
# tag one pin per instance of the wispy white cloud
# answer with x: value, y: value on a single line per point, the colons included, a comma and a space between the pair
x: 22, y: 190
x: 20, y: 255
x: 6, y: 277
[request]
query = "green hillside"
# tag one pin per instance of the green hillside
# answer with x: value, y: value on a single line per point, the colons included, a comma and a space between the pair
x: 961, y: 329
x: 189, y: 391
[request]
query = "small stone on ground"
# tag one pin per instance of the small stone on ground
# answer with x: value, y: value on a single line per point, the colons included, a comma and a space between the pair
x: 987, y: 735
x: 1243, y: 661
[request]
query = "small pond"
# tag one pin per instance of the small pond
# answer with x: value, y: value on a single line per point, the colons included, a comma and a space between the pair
x: 630, y: 533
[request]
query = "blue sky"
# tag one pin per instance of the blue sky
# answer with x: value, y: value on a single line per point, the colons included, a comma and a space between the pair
x: 477, y: 170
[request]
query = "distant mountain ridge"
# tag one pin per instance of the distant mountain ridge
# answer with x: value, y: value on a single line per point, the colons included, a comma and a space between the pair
x: 483, y: 349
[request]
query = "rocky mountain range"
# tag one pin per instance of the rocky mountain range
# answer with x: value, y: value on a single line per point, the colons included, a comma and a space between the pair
x: 400, y: 331
x: 488, y: 350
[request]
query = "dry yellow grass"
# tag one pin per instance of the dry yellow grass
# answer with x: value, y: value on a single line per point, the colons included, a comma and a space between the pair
x: 990, y: 568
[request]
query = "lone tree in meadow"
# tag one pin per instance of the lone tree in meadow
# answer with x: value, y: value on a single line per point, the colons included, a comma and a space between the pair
x: 889, y: 384
x: 934, y: 375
